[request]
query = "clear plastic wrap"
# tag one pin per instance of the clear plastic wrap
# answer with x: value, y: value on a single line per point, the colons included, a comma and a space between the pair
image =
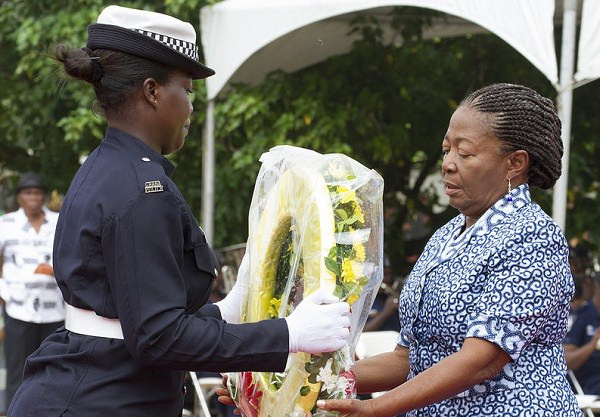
x: 315, y: 221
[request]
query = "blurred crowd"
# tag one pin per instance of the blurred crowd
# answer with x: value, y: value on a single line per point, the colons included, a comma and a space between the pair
x: 582, y: 342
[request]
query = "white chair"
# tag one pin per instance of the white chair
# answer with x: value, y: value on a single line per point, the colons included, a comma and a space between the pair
x: 229, y: 276
x: 584, y: 401
x: 374, y: 343
x: 204, y: 388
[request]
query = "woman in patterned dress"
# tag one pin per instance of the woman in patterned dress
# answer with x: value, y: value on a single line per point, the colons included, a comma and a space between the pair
x: 485, y: 308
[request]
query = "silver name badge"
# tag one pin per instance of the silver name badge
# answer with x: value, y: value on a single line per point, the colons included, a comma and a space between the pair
x: 153, y: 187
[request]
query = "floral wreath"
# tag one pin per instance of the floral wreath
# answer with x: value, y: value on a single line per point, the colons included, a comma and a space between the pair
x: 318, y: 225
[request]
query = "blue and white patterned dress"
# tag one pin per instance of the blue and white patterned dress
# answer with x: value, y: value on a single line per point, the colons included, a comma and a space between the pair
x: 506, y: 279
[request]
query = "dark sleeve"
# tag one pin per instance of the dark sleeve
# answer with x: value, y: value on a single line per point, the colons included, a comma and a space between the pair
x: 210, y: 310
x: 576, y: 335
x: 143, y: 251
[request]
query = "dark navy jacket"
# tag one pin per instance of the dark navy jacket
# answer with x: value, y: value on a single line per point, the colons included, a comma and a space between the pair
x: 128, y: 247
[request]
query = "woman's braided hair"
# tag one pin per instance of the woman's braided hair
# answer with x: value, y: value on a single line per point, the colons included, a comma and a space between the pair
x: 523, y: 119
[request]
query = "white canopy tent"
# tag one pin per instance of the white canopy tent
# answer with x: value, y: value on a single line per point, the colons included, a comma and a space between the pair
x: 588, y: 70
x: 588, y: 59
x: 244, y: 40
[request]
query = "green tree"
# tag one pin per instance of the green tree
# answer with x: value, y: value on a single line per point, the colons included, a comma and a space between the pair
x: 387, y: 106
x: 384, y: 104
x: 584, y: 171
x: 46, y: 123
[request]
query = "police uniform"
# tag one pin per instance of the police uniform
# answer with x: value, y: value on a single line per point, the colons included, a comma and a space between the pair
x: 128, y: 248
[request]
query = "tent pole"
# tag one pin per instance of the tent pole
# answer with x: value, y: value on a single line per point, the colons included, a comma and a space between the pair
x: 564, y: 102
x: 208, y: 173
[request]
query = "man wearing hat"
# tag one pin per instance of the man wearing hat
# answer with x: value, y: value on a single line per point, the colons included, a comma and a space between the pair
x: 33, y: 306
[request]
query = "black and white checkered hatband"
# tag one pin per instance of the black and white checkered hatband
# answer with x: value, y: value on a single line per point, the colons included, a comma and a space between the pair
x: 186, y: 48
x: 161, y: 48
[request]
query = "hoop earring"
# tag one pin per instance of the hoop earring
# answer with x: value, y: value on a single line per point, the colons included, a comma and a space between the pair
x: 509, y: 198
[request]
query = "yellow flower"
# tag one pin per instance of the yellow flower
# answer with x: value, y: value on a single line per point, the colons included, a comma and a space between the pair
x: 358, y: 212
x: 350, y: 270
x: 352, y: 298
x: 359, y: 252
x: 274, y: 306
x: 346, y: 195
x: 347, y: 271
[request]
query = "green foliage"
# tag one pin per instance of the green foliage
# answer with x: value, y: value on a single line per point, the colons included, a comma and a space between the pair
x: 584, y: 170
x: 46, y: 122
x: 36, y: 102
x: 386, y: 103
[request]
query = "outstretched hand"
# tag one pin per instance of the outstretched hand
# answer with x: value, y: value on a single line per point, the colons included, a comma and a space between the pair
x: 224, y: 397
x: 347, y: 408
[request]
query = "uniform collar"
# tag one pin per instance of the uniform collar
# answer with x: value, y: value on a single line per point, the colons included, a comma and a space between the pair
x: 138, y: 149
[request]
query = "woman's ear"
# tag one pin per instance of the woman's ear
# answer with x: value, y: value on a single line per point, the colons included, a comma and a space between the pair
x: 518, y: 163
x: 149, y: 89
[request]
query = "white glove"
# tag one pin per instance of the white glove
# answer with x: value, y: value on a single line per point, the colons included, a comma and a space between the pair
x: 319, y: 324
x: 231, y: 305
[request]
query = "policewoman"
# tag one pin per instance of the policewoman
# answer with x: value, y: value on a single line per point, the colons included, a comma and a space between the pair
x: 131, y: 262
